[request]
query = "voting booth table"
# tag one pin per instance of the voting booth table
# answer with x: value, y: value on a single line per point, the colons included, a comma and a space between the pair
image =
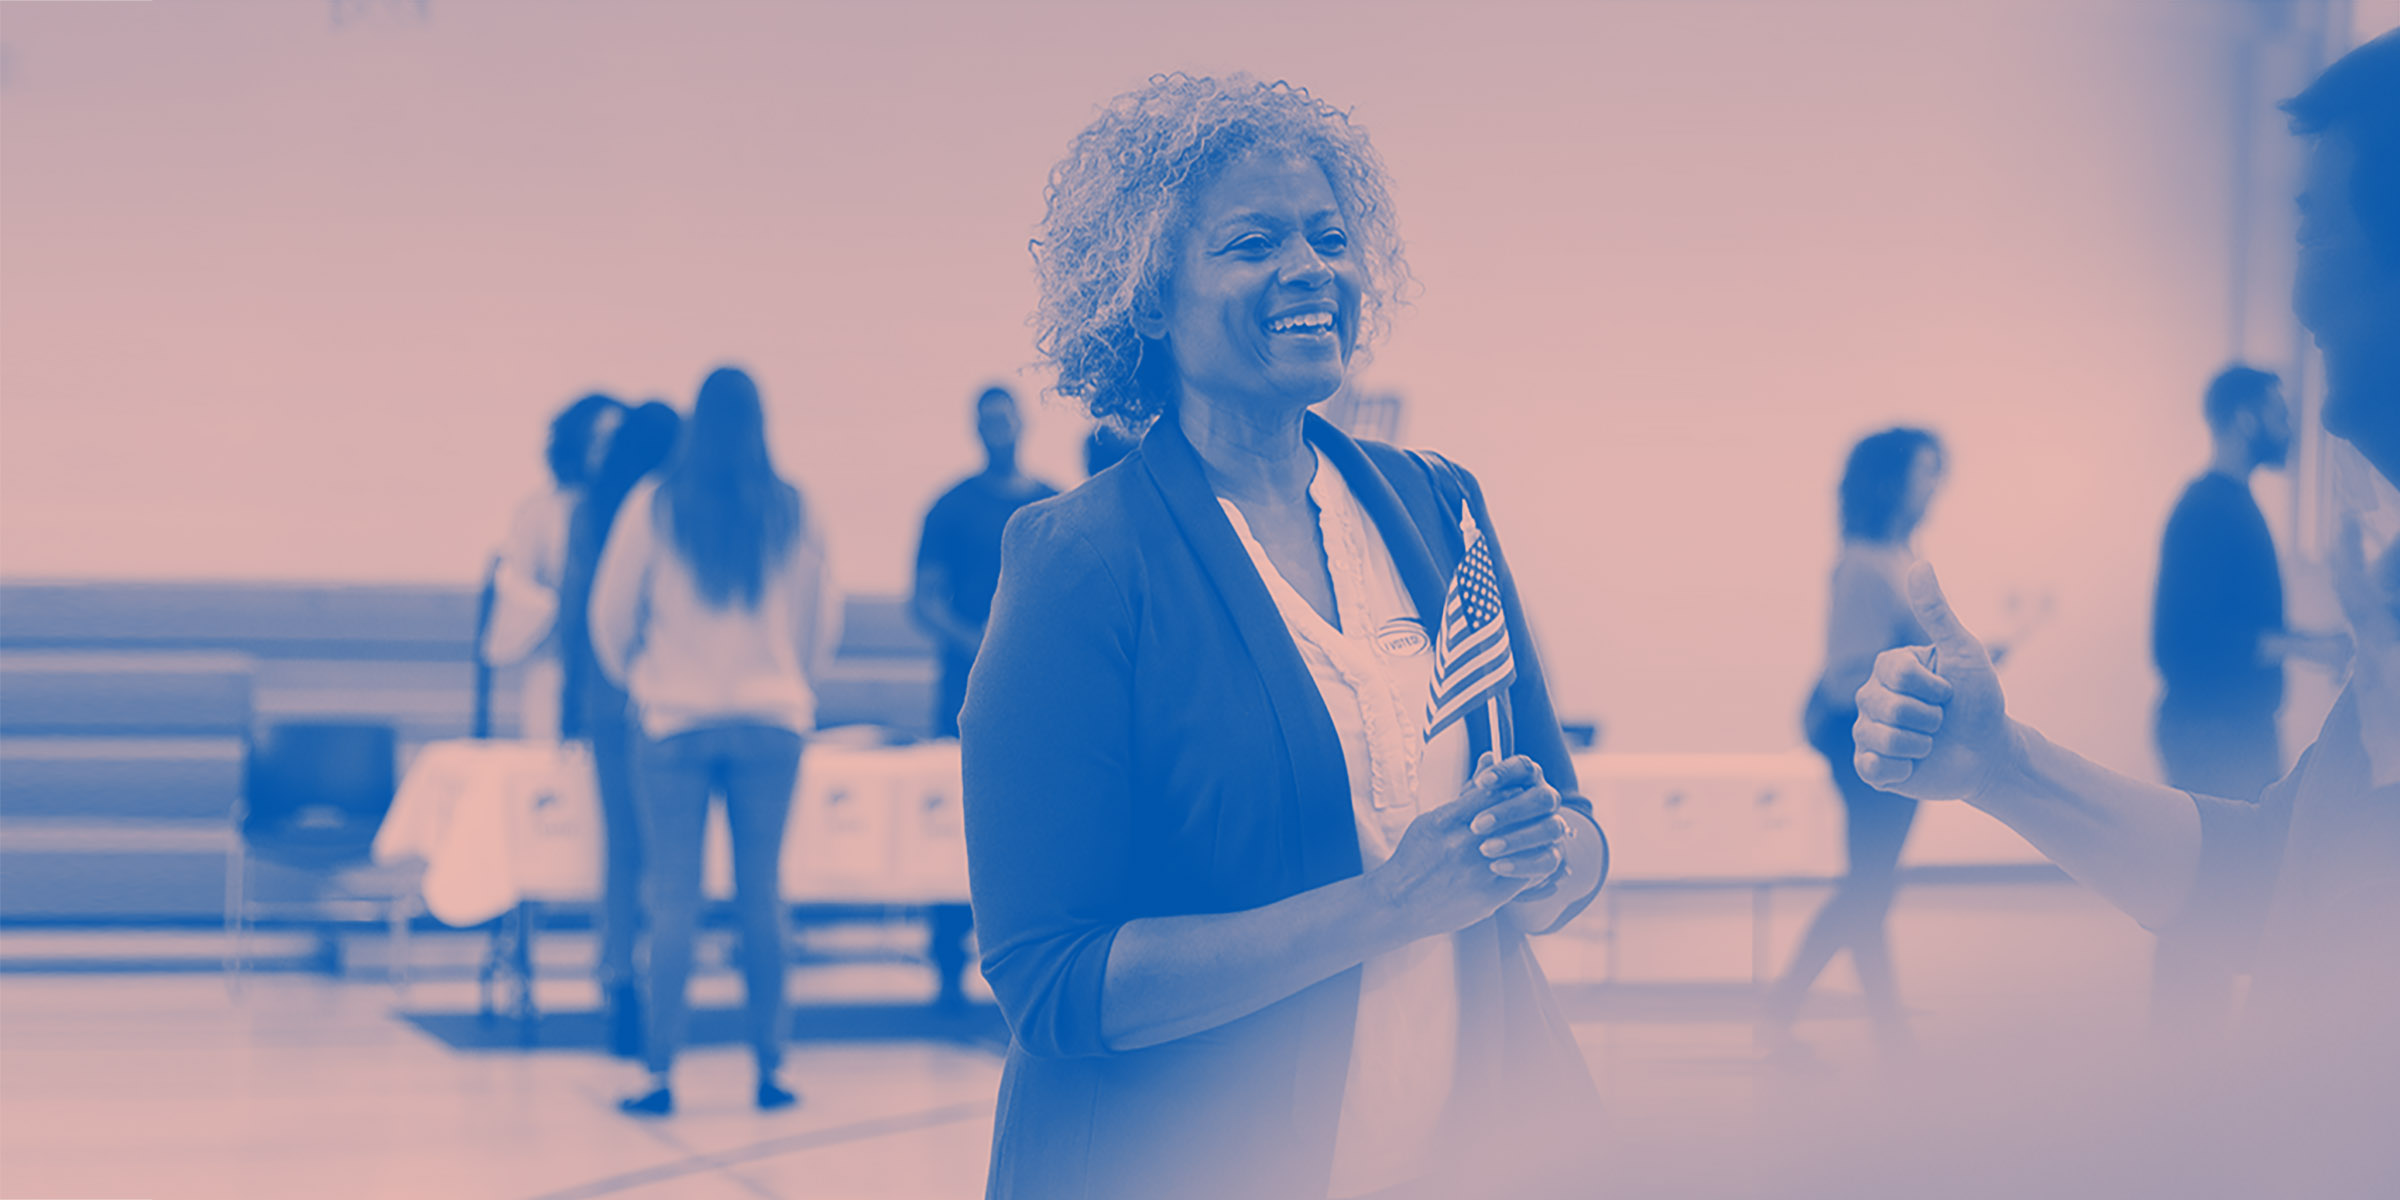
x: 1755, y: 823
x: 505, y: 828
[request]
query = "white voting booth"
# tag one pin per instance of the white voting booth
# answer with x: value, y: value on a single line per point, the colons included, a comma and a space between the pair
x: 499, y: 823
x: 1750, y: 822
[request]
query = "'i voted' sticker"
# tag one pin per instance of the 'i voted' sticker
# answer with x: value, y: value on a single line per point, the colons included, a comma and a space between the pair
x: 1402, y: 637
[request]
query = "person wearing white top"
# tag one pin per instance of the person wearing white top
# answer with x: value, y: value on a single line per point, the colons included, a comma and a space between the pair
x: 1254, y: 934
x: 1404, y: 1049
x: 521, y: 626
x: 711, y: 609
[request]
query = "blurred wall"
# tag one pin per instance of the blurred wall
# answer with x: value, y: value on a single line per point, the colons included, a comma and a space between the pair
x: 289, y: 297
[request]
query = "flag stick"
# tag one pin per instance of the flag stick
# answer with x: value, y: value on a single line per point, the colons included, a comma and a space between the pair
x: 1491, y: 712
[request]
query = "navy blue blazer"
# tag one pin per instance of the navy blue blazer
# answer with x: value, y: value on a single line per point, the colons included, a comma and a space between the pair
x: 1142, y: 738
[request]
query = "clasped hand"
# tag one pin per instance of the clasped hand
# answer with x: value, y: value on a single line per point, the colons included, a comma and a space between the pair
x: 1461, y: 862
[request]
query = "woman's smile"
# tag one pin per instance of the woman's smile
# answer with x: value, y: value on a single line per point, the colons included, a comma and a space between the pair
x: 1311, y: 324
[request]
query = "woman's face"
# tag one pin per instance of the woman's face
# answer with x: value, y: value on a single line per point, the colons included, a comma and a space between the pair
x: 1924, y: 479
x: 1262, y: 310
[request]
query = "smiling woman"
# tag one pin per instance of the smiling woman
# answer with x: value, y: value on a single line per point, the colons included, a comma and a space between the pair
x: 1256, y: 916
x: 1122, y: 200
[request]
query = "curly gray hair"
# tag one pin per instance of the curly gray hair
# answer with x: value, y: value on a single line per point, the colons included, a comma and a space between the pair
x: 1120, y: 203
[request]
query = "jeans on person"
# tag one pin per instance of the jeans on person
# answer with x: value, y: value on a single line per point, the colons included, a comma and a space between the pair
x: 753, y: 766
x: 1876, y: 828
x: 609, y: 727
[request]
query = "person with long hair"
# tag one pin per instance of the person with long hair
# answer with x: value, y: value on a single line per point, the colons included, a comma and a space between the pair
x: 521, y: 625
x: 592, y: 708
x: 1257, y: 915
x: 712, y: 610
x: 1886, y: 488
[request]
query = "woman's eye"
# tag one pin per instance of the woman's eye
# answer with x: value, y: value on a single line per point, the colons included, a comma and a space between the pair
x: 1332, y: 241
x: 1251, y: 243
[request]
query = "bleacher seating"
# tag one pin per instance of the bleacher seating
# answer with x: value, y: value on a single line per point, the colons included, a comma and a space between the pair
x: 124, y: 708
x: 118, y: 767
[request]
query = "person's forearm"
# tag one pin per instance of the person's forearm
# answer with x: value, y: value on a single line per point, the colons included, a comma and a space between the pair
x: 2331, y: 650
x: 522, y: 614
x: 1171, y: 977
x: 610, y: 617
x: 818, y: 636
x: 2138, y: 844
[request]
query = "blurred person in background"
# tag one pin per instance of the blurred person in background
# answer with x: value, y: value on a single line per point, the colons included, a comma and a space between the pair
x: 592, y: 709
x: 2218, y: 636
x: 1256, y: 919
x: 522, y: 624
x: 2303, y: 881
x: 958, y: 569
x: 1887, y: 486
x: 958, y: 555
x: 712, y: 609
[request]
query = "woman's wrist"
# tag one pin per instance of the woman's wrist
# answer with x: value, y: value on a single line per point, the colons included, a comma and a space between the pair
x: 1379, y: 912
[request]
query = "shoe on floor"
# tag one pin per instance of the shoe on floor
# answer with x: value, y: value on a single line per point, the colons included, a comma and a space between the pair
x: 657, y: 1102
x: 773, y: 1095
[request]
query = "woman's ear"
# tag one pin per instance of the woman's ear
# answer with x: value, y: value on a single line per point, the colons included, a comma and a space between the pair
x: 1149, y: 322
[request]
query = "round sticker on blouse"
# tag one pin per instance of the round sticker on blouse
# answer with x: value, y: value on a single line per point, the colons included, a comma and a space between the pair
x: 1402, y: 637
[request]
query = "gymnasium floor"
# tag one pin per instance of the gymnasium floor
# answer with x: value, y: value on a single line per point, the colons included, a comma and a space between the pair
x: 162, y: 1084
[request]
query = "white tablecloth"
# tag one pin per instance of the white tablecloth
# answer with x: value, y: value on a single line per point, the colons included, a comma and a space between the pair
x: 1735, y: 817
x: 499, y: 822
x: 496, y: 822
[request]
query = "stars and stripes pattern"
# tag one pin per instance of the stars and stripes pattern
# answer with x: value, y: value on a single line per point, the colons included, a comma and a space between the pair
x: 1471, y: 656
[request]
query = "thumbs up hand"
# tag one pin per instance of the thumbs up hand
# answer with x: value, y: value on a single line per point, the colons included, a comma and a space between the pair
x: 1932, y: 724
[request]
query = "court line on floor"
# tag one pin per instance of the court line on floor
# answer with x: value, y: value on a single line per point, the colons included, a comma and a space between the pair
x: 663, y: 1134
x: 697, y: 1164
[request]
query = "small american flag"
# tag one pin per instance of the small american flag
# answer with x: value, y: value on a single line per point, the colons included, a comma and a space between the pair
x: 1471, y: 658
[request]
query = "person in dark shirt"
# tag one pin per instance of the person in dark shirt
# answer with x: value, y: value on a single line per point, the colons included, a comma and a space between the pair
x: 2218, y: 636
x: 958, y: 557
x: 2218, y: 622
x: 958, y: 571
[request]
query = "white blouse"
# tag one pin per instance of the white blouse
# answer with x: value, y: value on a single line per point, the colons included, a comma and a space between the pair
x: 1375, y: 673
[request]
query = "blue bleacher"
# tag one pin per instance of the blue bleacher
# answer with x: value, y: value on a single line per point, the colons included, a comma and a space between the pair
x: 124, y: 708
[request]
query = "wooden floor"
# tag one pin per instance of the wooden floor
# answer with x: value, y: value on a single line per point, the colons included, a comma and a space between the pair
x: 161, y: 1084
